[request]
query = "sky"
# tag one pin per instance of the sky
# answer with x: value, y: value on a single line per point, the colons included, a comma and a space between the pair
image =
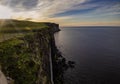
x: 63, y: 12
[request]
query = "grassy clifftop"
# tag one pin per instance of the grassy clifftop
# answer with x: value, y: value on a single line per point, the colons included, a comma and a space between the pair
x: 25, y: 59
x: 13, y: 26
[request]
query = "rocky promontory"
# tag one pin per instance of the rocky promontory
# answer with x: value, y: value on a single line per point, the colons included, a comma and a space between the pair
x: 26, y: 58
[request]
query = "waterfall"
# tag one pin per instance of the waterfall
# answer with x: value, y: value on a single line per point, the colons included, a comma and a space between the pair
x: 51, y: 67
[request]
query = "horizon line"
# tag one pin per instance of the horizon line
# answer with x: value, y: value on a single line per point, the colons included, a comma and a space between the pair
x: 92, y: 26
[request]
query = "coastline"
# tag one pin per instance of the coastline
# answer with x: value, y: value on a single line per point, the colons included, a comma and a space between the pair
x: 28, y: 57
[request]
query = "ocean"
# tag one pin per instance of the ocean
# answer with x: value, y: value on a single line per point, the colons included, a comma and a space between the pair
x: 95, y: 51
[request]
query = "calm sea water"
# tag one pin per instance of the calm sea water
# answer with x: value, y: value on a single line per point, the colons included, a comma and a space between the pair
x: 95, y: 51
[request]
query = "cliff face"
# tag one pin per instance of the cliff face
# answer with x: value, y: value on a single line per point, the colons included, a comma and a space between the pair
x: 27, y: 59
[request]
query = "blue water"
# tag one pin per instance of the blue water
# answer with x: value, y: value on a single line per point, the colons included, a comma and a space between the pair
x: 95, y: 51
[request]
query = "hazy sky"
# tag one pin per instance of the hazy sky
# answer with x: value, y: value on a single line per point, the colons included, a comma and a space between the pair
x: 64, y: 12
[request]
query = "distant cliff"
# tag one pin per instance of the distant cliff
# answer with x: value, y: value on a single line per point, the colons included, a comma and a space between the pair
x: 26, y: 59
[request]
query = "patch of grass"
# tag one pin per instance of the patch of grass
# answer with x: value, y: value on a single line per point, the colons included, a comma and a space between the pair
x: 14, y: 26
x: 16, y: 61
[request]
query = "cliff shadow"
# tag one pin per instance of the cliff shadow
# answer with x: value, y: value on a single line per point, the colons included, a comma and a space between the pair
x: 60, y: 66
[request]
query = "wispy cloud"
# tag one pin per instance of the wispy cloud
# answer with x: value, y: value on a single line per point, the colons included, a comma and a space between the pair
x: 49, y: 6
x: 64, y: 10
x: 20, y: 5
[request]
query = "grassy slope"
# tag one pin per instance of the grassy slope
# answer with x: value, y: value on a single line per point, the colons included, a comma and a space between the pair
x: 13, y: 26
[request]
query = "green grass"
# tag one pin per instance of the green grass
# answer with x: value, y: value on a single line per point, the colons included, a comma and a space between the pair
x: 14, y: 26
x: 17, y: 61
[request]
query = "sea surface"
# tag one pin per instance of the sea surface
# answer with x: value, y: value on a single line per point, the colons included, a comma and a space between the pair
x: 95, y: 51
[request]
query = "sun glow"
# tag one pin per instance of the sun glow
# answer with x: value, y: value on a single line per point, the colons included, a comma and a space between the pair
x: 5, y: 12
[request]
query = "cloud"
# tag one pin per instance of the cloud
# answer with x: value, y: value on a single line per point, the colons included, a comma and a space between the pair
x: 18, y: 5
x: 52, y: 5
x: 41, y: 8
x: 49, y: 8
x: 95, y: 8
x: 59, y: 6
x: 63, y: 10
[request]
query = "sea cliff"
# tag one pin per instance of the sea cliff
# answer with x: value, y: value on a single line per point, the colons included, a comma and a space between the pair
x: 27, y: 59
